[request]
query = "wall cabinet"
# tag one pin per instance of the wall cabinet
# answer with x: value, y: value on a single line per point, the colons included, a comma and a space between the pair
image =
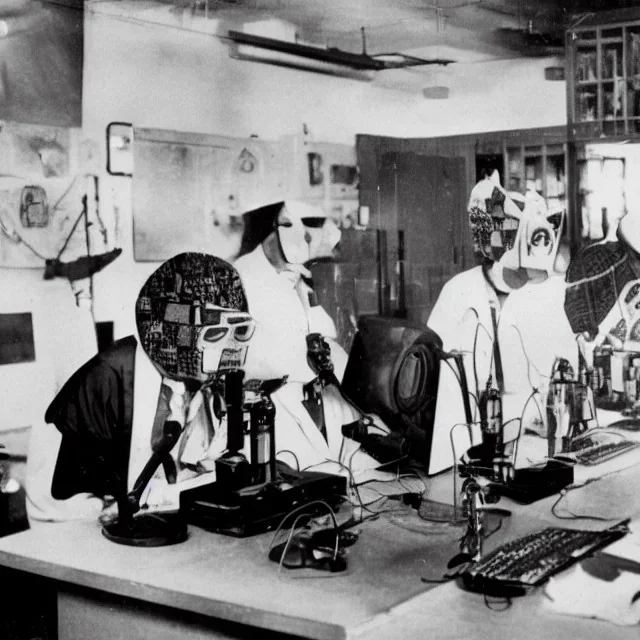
x: 603, y: 64
x: 541, y: 167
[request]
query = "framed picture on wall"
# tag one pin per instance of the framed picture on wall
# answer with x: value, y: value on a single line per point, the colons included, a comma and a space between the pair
x: 120, y: 149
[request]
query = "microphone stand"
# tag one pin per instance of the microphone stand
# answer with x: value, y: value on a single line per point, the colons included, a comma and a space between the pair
x: 436, y: 511
x: 150, y: 529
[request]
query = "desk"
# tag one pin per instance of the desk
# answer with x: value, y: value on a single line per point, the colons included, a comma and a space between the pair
x: 213, y: 586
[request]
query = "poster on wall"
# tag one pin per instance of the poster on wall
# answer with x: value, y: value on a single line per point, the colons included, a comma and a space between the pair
x: 43, y: 195
x: 41, y: 54
x: 190, y: 190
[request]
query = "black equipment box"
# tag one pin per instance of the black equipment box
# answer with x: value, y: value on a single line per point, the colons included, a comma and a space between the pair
x: 259, y: 508
x: 536, y: 483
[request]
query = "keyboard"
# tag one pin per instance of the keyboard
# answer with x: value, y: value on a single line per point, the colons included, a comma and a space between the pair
x: 531, y: 560
x: 603, y: 451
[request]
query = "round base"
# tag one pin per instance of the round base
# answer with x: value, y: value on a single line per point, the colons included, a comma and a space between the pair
x: 148, y: 530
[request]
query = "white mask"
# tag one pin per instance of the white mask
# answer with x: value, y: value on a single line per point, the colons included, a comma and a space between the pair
x: 306, y: 233
x: 223, y: 344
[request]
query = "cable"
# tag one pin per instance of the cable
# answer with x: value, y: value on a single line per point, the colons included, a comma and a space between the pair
x: 293, y: 454
x: 455, y: 463
x: 580, y: 516
x: 529, y: 362
x: 539, y: 410
x: 475, y: 311
x: 479, y: 326
x: 574, y: 516
x: 298, y: 510
x: 517, y: 441
x: 457, y: 375
x: 289, y: 538
x: 494, y: 530
x: 496, y: 345
x: 352, y: 484
x: 506, y: 602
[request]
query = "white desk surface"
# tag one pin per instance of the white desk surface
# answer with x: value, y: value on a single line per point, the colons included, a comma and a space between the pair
x: 381, y: 596
x: 232, y: 579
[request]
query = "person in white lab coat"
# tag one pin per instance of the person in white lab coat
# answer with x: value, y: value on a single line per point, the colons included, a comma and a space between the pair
x: 284, y: 308
x: 516, y: 293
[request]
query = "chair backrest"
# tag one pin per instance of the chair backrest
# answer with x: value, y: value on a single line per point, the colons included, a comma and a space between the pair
x: 393, y: 371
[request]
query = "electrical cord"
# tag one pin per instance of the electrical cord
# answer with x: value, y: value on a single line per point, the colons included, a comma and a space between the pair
x: 457, y: 376
x: 517, y: 440
x: 298, y: 510
x: 475, y: 344
x: 352, y: 486
x: 530, y: 364
x: 579, y: 516
x: 291, y: 453
x: 506, y: 602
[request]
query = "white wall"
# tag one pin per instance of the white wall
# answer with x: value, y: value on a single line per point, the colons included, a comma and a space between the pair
x: 165, y: 77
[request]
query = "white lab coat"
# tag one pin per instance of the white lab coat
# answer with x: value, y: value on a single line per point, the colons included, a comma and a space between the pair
x: 277, y: 348
x: 532, y: 331
x: 64, y: 338
x: 283, y: 320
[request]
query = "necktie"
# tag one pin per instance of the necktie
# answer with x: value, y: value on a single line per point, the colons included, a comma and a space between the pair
x: 496, y: 351
x: 312, y: 394
x: 199, y: 430
x: 193, y: 412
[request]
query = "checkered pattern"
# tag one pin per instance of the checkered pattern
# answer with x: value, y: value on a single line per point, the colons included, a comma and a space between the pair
x: 594, y: 281
x: 190, y: 279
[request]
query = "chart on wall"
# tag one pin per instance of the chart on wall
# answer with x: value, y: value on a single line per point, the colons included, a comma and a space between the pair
x: 42, y: 197
x: 190, y: 190
x: 41, y: 55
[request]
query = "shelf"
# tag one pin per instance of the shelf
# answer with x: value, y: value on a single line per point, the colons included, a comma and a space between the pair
x: 604, y: 83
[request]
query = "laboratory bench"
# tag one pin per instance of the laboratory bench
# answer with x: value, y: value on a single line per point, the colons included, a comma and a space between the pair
x: 215, y: 586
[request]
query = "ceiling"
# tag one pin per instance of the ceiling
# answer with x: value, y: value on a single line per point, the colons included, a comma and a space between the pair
x: 465, y: 30
x: 461, y: 30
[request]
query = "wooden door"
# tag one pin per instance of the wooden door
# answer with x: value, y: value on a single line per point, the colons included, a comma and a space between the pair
x: 423, y: 205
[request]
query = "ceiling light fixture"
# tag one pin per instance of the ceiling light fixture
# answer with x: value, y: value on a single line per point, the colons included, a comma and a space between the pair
x: 334, y: 61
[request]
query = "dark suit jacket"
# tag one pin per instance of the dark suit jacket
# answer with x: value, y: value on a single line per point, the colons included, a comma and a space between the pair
x: 94, y: 413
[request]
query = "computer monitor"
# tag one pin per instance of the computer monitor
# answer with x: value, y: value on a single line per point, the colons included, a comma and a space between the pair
x: 393, y: 371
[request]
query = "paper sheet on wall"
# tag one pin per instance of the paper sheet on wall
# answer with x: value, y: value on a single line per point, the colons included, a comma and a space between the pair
x: 41, y: 194
x: 190, y: 190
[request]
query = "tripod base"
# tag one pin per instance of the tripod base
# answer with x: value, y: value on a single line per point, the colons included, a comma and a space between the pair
x: 147, y: 530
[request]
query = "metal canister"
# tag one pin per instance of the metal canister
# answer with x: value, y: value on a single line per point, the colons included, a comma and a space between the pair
x: 262, y: 432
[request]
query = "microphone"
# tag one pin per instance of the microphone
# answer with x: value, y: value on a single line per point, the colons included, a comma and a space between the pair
x: 491, y: 422
x: 152, y: 529
x: 559, y: 406
x: 490, y: 453
x: 161, y: 451
x: 233, y: 470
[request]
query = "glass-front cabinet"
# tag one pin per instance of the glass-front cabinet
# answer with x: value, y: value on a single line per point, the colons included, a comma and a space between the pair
x: 538, y: 167
x: 604, y: 76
